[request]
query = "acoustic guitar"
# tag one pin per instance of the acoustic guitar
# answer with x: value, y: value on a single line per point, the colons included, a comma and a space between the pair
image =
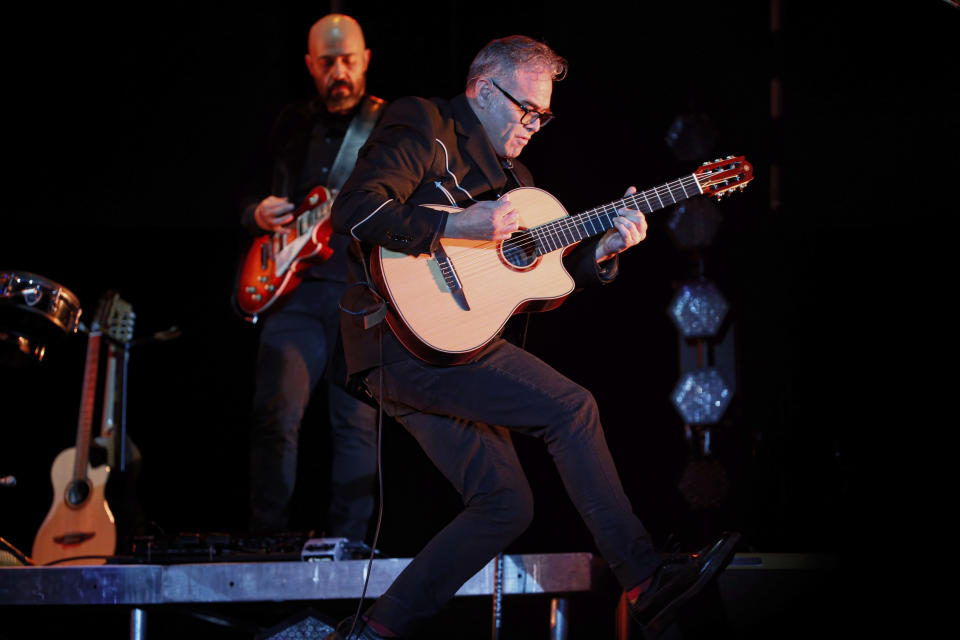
x: 118, y: 447
x: 447, y: 306
x: 80, y: 528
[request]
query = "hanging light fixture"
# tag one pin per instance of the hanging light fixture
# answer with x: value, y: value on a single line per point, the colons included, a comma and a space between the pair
x: 701, y: 397
x: 698, y: 309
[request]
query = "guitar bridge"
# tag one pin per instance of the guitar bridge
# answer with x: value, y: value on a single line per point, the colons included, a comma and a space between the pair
x: 450, y: 277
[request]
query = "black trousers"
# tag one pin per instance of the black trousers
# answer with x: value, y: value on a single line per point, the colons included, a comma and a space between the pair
x: 462, y: 417
x: 295, y: 349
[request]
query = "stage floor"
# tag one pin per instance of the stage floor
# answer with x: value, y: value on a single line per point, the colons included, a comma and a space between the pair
x: 145, y: 584
x: 242, y: 599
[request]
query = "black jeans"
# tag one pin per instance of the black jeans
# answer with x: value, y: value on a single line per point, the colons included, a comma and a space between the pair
x: 294, y: 351
x: 462, y: 417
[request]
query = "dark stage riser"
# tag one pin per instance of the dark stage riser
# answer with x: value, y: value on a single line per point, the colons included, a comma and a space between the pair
x: 759, y: 595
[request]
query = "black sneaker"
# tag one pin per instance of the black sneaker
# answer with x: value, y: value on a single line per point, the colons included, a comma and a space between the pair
x: 677, y: 580
x: 361, y: 631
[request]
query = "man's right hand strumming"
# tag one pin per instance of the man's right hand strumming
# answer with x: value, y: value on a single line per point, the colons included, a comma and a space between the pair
x: 273, y: 212
x: 487, y: 220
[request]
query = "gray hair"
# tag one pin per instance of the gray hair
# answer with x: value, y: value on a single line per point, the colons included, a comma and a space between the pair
x: 508, y: 55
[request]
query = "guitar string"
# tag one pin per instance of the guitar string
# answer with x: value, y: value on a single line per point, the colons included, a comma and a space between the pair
x: 489, y: 260
x: 556, y: 232
x: 467, y: 266
x: 572, y: 226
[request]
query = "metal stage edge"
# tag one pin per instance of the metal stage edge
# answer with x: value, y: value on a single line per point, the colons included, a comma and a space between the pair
x: 141, y: 585
x: 136, y: 586
x: 147, y: 584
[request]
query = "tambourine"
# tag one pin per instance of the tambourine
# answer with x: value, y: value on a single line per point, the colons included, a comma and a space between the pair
x: 34, y: 311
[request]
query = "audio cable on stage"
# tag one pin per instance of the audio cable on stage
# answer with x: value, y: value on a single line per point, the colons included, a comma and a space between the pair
x: 376, y: 532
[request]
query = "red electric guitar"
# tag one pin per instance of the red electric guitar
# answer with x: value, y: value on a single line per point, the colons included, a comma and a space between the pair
x: 272, y: 265
x: 447, y: 306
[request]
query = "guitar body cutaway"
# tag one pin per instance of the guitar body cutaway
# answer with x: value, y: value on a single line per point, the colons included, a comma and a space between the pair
x: 75, y: 530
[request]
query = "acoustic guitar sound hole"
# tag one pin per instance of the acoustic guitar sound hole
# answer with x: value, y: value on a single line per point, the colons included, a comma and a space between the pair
x: 519, y: 251
x: 77, y: 492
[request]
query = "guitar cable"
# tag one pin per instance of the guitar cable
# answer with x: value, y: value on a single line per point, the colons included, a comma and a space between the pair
x: 372, y: 316
x: 376, y: 532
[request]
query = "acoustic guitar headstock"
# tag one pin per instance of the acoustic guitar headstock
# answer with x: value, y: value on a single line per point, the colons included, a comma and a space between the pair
x: 723, y: 176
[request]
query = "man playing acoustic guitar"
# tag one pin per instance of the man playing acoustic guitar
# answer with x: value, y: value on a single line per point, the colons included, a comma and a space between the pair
x: 461, y: 404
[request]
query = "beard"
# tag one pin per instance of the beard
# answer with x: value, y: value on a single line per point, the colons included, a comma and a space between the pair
x: 341, y: 95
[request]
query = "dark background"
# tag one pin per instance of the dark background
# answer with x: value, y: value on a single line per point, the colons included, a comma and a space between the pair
x: 130, y: 134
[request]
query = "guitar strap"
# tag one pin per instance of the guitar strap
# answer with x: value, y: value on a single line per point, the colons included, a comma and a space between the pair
x: 508, y: 165
x: 357, y: 133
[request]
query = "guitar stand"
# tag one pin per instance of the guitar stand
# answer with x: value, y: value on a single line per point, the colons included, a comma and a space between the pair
x: 11, y: 556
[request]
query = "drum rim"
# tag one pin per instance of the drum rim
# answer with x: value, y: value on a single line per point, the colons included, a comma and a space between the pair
x: 64, y: 298
x: 42, y: 279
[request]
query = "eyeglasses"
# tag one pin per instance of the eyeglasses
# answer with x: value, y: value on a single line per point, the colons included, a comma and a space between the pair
x: 529, y: 114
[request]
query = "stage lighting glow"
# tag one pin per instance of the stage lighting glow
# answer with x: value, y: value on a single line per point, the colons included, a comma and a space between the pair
x: 701, y: 397
x: 698, y: 309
